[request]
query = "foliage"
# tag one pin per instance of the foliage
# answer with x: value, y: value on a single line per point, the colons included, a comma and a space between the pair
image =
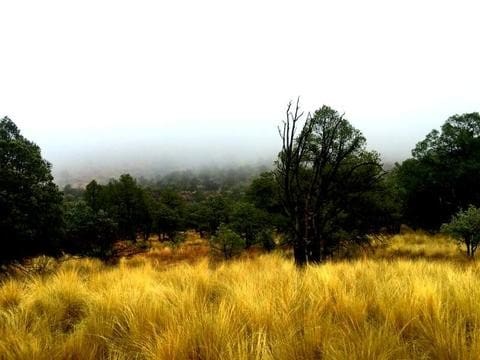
x: 89, y: 232
x: 197, y: 217
x: 168, y: 213
x: 70, y: 193
x: 205, y: 213
x: 465, y: 226
x: 129, y: 207
x: 247, y: 221
x: 265, y: 237
x: 208, y: 179
x: 30, y: 203
x: 227, y: 242
x: 209, y: 213
x: 442, y: 176
x: 94, y: 196
x: 327, y: 179
x: 264, y: 194
x: 125, y: 202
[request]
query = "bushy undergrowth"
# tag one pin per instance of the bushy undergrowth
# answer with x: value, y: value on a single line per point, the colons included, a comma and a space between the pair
x: 260, y: 308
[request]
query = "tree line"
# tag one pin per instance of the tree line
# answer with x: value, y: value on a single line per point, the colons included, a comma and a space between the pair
x: 325, y: 192
x: 123, y: 209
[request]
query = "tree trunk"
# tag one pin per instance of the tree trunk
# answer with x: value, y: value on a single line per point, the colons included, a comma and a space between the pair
x: 315, y: 243
x: 300, y: 253
x: 315, y: 252
x: 299, y: 244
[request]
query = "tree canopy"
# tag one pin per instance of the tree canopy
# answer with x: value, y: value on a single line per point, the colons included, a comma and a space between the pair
x: 441, y: 178
x: 326, y: 178
x: 30, y: 202
x: 465, y: 227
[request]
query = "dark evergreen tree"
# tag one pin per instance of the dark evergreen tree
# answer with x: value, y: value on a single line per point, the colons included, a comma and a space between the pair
x: 443, y: 175
x: 89, y: 232
x: 30, y: 202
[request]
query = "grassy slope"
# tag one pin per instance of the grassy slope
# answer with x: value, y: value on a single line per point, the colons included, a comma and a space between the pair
x: 377, y: 307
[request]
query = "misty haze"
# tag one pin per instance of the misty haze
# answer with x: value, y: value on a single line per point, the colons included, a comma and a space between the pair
x: 138, y: 90
x: 80, y: 154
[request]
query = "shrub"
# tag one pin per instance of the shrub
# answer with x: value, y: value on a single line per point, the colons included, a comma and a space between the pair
x: 465, y: 227
x: 266, y: 239
x: 227, y: 242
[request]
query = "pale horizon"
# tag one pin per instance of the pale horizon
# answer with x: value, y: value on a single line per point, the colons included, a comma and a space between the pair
x: 117, y: 84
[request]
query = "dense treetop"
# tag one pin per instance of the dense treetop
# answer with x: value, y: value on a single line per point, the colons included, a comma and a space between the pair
x: 30, y: 203
x: 443, y: 175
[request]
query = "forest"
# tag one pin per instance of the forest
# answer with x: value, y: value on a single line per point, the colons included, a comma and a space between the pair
x: 325, y: 193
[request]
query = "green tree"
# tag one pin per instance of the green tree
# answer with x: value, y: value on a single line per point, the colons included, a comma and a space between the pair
x: 197, y: 217
x: 168, y: 213
x: 326, y: 177
x: 70, y: 193
x: 227, y: 242
x: 247, y: 221
x: 264, y: 193
x: 207, y: 214
x: 30, y: 202
x: 94, y: 196
x: 442, y: 176
x: 265, y: 237
x: 168, y: 221
x: 465, y: 227
x: 126, y: 203
x: 218, y: 211
x: 89, y: 232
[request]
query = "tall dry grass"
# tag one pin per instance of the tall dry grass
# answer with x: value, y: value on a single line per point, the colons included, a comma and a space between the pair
x: 419, y: 245
x: 262, y: 308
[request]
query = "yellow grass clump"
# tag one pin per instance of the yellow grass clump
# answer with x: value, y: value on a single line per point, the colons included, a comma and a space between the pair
x: 261, y: 308
x: 419, y: 245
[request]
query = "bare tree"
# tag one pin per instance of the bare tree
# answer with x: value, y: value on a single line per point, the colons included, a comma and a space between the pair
x: 322, y: 166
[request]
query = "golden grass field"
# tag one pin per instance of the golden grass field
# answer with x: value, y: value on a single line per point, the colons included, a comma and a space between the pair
x: 414, y: 297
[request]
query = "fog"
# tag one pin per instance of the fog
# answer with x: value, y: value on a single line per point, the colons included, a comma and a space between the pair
x: 149, y: 87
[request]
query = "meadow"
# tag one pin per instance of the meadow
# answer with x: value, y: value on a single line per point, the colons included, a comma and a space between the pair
x: 412, y: 296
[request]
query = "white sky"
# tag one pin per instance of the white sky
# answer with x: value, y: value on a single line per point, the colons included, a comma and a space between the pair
x: 82, y: 77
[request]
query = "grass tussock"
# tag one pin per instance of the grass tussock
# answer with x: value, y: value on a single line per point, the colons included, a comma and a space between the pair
x: 189, y: 251
x: 260, y: 308
x: 419, y: 245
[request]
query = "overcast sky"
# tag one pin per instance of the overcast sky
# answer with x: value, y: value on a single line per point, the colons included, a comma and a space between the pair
x: 86, y: 78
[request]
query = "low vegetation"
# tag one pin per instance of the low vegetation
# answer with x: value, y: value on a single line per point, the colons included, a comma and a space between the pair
x: 176, y: 303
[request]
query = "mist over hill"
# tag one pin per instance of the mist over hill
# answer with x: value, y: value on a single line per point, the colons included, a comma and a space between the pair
x: 86, y: 152
x: 150, y: 165
x: 152, y: 162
